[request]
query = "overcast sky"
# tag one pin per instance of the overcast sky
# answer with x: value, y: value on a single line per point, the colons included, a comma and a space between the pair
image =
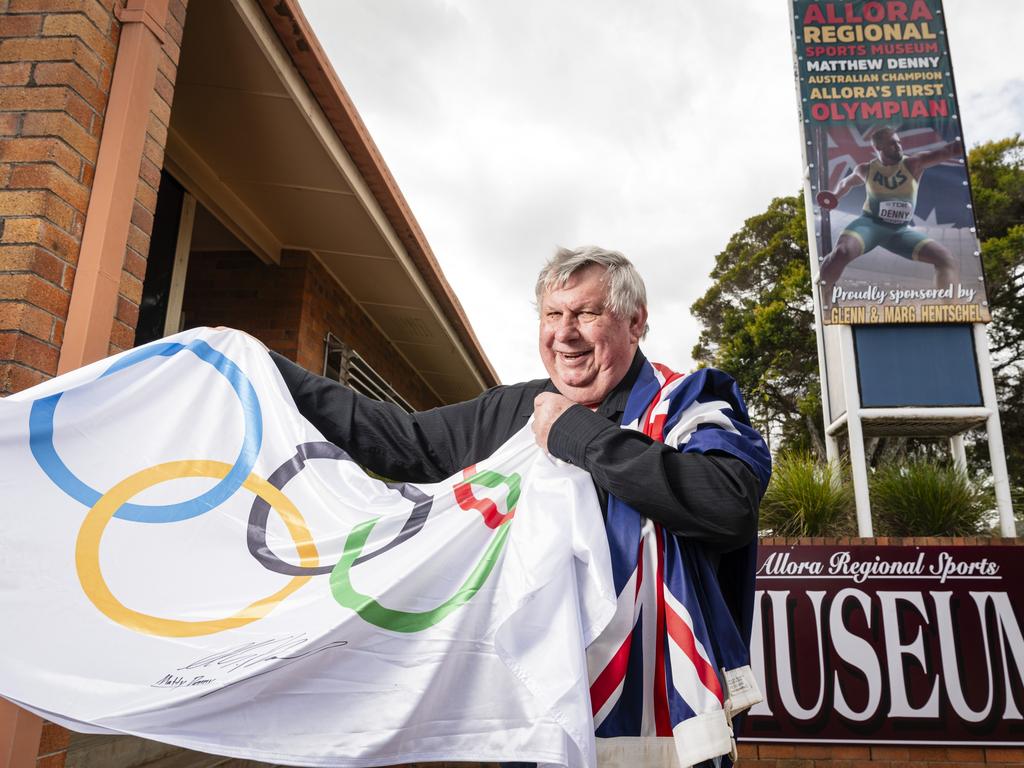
x: 654, y: 128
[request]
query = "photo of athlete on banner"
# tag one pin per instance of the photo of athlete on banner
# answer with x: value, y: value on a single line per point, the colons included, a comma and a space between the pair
x: 891, y: 182
x: 896, y: 202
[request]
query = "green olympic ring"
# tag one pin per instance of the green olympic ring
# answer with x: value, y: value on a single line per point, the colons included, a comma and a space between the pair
x: 372, y: 612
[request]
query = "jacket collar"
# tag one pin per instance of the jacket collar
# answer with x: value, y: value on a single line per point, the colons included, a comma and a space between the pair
x: 614, y: 405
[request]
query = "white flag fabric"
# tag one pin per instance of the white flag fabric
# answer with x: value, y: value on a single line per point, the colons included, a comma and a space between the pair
x: 183, y: 557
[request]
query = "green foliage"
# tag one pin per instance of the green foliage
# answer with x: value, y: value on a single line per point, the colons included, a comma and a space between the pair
x: 997, y: 186
x: 807, y: 497
x: 924, y: 498
x: 758, y: 322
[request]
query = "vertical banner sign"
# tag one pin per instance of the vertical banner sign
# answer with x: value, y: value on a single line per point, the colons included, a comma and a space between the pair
x: 892, y: 644
x: 894, y: 228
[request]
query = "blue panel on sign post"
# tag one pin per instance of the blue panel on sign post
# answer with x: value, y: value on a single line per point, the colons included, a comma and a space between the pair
x: 916, y: 365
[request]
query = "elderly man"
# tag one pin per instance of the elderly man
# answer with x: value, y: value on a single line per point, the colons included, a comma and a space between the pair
x: 687, y: 459
x: 593, y: 314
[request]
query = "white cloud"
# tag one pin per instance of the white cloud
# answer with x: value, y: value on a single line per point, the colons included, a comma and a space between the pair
x: 654, y: 128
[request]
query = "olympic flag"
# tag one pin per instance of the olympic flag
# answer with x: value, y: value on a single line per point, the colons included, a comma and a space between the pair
x: 183, y: 557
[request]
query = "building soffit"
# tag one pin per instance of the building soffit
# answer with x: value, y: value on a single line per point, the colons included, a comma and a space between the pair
x: 251, y: 137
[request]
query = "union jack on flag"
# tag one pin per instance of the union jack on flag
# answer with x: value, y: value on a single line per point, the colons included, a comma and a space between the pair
x: 674, y: 662
x: 849, y: 146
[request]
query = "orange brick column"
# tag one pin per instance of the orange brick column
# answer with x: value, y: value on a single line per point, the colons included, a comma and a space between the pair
x: 94, y: 297
x: 57, y: 61
x: 57, y: 66
x: 19, y: 735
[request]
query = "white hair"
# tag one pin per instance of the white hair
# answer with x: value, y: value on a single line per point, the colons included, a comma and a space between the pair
x: 626, y: 295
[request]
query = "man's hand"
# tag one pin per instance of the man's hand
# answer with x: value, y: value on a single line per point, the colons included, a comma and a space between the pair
x: 547, y: 407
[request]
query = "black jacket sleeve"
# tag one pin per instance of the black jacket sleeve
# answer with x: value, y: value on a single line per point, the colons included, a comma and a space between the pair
x: 712, y: 498
x: 425, y: 446
x: 380, y: 436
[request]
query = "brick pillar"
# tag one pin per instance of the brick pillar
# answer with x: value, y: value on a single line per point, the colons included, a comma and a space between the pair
x: 57, y: 63
x: 55, y: 69
x: 144, y: 209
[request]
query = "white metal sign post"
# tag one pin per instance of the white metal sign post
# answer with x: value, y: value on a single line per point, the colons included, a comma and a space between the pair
x: 898, y: 286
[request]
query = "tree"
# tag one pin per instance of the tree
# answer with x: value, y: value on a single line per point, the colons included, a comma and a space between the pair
x: 997, y: 186
x: 758, y: 323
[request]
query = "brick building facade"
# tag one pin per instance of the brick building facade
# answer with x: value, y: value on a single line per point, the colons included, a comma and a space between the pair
x: 166, y: 164
x: 56, y: 67
x: 66, y: 207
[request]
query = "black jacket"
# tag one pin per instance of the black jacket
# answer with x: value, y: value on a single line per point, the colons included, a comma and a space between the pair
x: 710, y: 498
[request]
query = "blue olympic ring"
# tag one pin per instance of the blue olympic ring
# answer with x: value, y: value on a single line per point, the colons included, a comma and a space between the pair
x: 45, y: 453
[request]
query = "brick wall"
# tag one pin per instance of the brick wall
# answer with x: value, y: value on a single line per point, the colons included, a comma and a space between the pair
x: 240, y: 291
x: 905, y: 541
x: 855, y: 756
x: 330, y: 308
x: 56, y: 62
x: 56, y: 65
x: 53, y: 746
x: 291, y: 308
x: 754, y: 755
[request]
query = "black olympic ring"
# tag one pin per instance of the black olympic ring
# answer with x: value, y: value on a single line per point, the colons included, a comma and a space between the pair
x: 259, y: 514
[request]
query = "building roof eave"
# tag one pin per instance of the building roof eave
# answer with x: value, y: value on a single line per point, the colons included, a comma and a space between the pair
x: 310, y: 60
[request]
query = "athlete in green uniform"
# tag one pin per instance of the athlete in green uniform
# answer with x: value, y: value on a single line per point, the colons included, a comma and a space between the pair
x: 891, y: 180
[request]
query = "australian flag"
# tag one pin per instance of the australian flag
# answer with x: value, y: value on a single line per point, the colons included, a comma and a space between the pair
x: 675, y: 662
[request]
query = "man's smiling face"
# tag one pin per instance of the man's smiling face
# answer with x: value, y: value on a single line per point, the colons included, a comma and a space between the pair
x: 585, y: 347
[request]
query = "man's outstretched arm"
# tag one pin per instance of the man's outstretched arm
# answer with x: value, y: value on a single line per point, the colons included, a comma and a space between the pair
x: 919, y: 162
x: 830, y: 199
x: 852, y: 180
x: 418, y: 447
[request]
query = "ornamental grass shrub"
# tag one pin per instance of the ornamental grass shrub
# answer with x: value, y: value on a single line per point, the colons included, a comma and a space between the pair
x: 923, y: 498
x: 807, y: 498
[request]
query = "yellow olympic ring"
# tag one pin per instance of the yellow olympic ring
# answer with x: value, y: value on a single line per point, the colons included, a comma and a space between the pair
x: 87, y: 550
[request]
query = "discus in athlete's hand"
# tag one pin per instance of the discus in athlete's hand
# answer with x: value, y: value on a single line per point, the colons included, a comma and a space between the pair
x: 827, y: 200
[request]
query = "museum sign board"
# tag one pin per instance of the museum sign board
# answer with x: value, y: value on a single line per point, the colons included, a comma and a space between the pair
x: 889, y: 644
